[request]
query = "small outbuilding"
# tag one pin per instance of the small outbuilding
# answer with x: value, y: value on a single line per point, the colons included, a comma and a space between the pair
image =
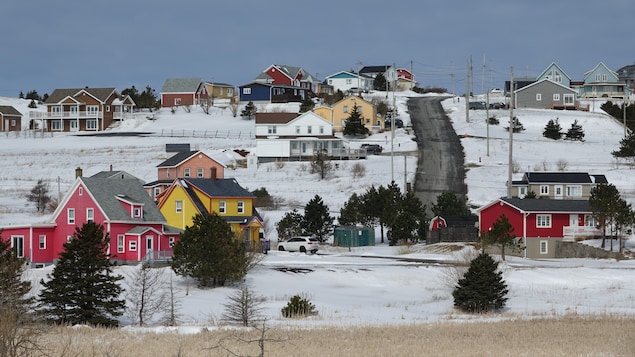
x: 353, y: 236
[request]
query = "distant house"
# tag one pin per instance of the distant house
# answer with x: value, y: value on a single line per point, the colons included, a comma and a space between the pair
x: 389, y: 72
x: 554, y: 73
x: 113, y: 199
x: 557, y: 185
x: 627, y: 75
x: 292, y: 136
x: 546, y: 94
x: 540, y: 224
x: 405, y: 80
x: 10, y: 118
x: 187, y: 197
x: 178, y: 92
x: 85, y: 109
x: 273, y: 93
x: 344, y: 81
x: 185, y: 164
x: 601, y: 82
x: 216, y: 90
x: 341, y: 111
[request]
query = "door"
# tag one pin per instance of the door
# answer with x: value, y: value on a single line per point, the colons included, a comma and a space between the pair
x: 74, y: 125
x: 557, y: 192
x: 149, y: 243
x: 17, y: 244
x: 573, y: 220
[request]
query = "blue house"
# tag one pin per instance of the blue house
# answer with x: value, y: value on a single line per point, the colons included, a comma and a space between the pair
x: 555, y: 74
x: 273, y: 93
x: 601, y: 82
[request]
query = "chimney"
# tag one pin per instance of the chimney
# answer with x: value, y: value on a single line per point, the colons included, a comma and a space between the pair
x: 213, y: 172
x: 78, y: 172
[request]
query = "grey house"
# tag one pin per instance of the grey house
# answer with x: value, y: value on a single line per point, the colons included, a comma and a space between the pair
x: 546, y: 94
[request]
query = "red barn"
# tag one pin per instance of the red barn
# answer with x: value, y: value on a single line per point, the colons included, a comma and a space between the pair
x: 541, y: 222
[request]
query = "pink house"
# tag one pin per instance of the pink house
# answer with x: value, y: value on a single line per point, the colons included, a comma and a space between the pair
x: 541, y: 222
x: 114, y: 199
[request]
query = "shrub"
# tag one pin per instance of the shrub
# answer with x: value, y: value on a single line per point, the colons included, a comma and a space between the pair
x: 298, y: 307
x: 358, y: 170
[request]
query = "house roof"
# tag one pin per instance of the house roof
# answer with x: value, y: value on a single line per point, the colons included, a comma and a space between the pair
x: 561, y: 177
x: 275, y: 118
x: 217, y: 188
x: 181, y: 85
x: 181, y: 157
x: 602, y: 65
x: 554, y: 64
x: 374, y: 69
x: 219, y: 84
x: 100, y: 94
x: 9, y: 110
x: 115, y: 174
x: 109, y: 191
x: 545, y: 81
x: 548, y: 205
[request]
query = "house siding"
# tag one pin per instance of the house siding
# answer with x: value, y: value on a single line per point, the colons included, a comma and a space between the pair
x: 526, y: 97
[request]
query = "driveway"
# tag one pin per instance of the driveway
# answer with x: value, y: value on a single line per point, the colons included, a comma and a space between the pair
x: 440, y: 166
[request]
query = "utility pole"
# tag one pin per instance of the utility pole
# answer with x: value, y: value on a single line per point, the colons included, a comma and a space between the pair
x: 483, y: 75
x: 392, y: 131
x: 511, y: 133
x: 467, y: 94
x: 490, y: 85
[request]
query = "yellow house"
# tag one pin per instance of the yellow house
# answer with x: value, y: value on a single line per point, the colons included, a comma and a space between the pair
x: 342, y: 110
x: 188, y: 197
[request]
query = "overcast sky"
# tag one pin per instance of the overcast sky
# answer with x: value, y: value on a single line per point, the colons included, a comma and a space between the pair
x: 120, y: 43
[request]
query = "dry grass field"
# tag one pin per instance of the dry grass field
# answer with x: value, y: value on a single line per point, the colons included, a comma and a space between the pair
x: 568, y: 336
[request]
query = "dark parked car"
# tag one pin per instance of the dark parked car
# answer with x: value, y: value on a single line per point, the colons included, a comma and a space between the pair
x: 398, y: 123
x: 478, y: 105
x: 372, y: 148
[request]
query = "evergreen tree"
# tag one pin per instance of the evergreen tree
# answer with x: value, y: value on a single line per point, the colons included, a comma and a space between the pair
x: 317, y: 221
x: 553, y: 130
x: 530, y: 195
x: 209, y: 252
x: 32, y: 95
x: 354, y: 123
x: 450, y: 205
x: 351, y: 212
x: 575, y: 133
x: 21, y: 95
x: 604, y: 203
x: 482, y: 288
x: 408, y: 220
x: 502, y: 235
x: 518, y: 126
x: 290, y: 225
x: 39, y: 195
x: 389, y: 200
x: 627, y: 147
x: 82, y: 288
x: 33, y: 104
x: 307, y: 105
x: 249, y: 111
x: 380, y: 82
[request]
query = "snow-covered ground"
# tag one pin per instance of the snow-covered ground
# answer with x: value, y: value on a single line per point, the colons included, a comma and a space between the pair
x: 346, y: 288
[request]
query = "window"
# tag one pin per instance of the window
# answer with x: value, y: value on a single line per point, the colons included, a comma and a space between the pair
x: 132, y: 245
x: 136, y: 212
x: 345, y: 108
x: 56, y: 124
x: 247, y: 91
x: 574, y: 191
x: 171, y: 241
x: 69, y: 238
x: 297, y: 129
x: 157, y: 191
x: 544, y: 189
x: 90, y: 214
x: 538, y: 97
x: 230, y: 92
x: 271, y: 129
x: 71, y: 215
x: 56, y: 111
x: 590, y: 221
x: 556, y: 97
x: 522, y: 191
x: 186, y: 172
x: 13, y: 122
x: 178, y: 206
x: 177, y: 101
x: 92, y: 110
x: 167, y: 173
x: 91, y: 124
x: 544, y: 247
x: 330, y: 81
x: 558, y: 78
x: 200, y: 172
x: 81, y: 191
x: 321, y: 129
x: 309, y: 129
x: 121, y: 247
x: 543, y: 221
x: 108, y: 108
x: 359, y: 109
x: 294, y: 145
x: 349, y: 81
x: 222, y: 207
x: 42, y: 241
x: 241, y: 206
x: 17, y: 244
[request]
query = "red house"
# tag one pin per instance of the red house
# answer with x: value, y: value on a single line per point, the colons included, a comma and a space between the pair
x: 541, y: 222
x: 178, y: 92
x: 114, y: 199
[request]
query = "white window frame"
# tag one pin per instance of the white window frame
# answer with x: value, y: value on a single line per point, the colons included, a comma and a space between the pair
x: 92, y: 110
x: 157, y: 191
x: 543, y: 221
x: 544, y: 190
x: 297, y: 129
x: 70, y: 215
x: 187, y: 172
x: 309, y: 129
x: 56, y: 124
x: 178, y: 206
x: 200, y: 172
x: 177, y: 101
x: 241, y: 207
x: 247, y: 91
x: 81, y: 191
x: 137, y: 212
x: 272, y: 129
x: 556, y: 97
x: 171, y: 241
x: 574, y: 191
x: 91, y: 124
x: 321, y: 129
x: 132, y: 245
x: 42, y: 241
x: 222, y: 207
x: 568, y: 99
x: 345, y: 109
x: 121, y: 243
x: 90, y: 214
x: 590, y: 221
x: 538, y: 97
x: 543, y: 246
x: 522, y: 191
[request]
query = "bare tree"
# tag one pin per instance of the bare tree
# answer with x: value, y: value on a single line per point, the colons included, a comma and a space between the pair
x: 206, y: 105
x: 187, y: 108
x: 39, y: 195
x: 145, y: 293
x: 358, y: 170
x: 321, y: 164
x: 244, y: 307
x: 233, y: 107
x: 173, y: 305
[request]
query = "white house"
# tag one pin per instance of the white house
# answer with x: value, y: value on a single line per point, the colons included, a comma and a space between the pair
x: 293, y: 136
x: 344, y: 81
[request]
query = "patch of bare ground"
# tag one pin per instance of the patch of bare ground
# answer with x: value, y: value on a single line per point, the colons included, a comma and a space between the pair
x: 567, y: 336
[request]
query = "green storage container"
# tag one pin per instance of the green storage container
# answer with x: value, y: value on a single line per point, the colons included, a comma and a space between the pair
x: 353, y: 236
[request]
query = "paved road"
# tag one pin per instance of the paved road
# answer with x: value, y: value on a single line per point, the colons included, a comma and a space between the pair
x: 441, y: 163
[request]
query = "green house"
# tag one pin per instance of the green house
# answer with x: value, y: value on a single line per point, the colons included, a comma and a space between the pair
x: 353, y: 236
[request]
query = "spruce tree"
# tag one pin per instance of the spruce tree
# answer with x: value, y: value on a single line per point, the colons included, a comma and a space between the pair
x: 317, y: 221
x: 482, y: 288
x: 82, y: 288
x: 553, y: 130
x: 290, y: 225
x: 627, y: 147
x: 209, y: 252
x: 575, y: 132
x: 249, y: 111
x: 307, y: 105
x: 354, y: 124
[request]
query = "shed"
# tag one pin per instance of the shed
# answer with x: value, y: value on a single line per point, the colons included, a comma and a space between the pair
x: 353, y: 236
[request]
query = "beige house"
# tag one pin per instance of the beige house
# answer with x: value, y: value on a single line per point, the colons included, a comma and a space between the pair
x: 218, y: 90
x: 340, y: 111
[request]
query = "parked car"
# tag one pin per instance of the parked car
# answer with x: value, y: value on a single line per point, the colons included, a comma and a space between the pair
x: 372, y: 148
x: 299, y: 244
x: 477, y: 105
x: 398, y: 123
x: 497, y: 105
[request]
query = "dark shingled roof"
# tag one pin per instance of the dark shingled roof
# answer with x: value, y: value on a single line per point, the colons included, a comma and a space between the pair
x: 275, y: 118
x: 178, y: 158
x: 548, y: 205
x: 9, y: 110
x: 228, y: 187
x: 561, y: 177
x: 59, y: 94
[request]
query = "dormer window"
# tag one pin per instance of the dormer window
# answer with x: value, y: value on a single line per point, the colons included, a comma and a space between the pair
x: 137, y: 212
